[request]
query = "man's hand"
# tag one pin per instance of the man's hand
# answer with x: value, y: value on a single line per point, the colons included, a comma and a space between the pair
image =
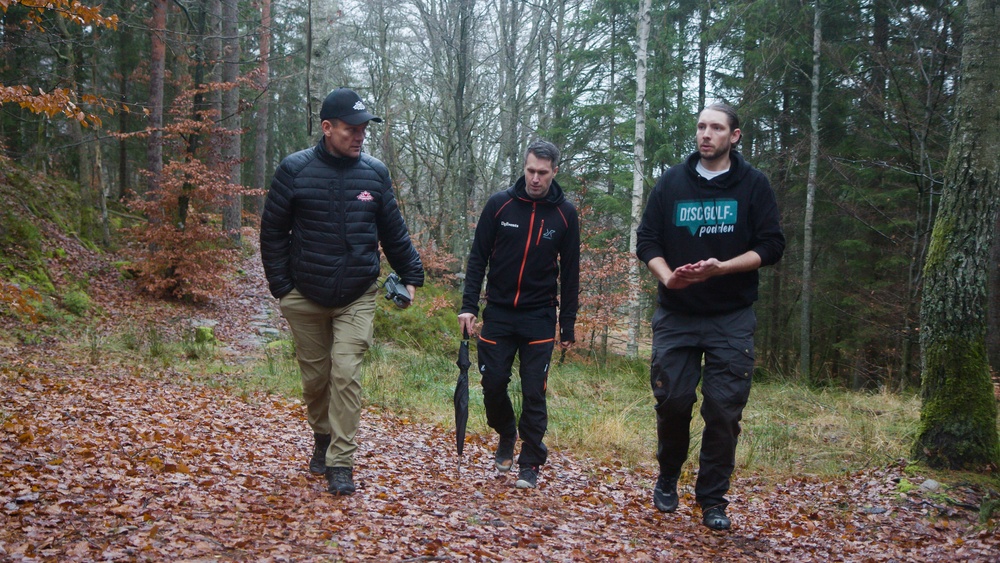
x: 467, y: 323
x: 700, y: 271
x: 694, y: 273
x: 413, y: 294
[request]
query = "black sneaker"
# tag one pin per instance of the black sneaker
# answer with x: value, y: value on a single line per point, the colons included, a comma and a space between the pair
x: 504, y: 457
x: 665, y: 494
x: 340, y: 480
x: 317, y: 464
x: 527, y: 477
x: 715, y: 518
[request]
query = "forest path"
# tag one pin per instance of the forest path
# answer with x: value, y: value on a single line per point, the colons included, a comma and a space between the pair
x: 123, y: 462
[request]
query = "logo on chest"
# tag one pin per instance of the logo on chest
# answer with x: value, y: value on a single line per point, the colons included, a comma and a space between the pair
x: 365, y: 196
x: 548, y: 234
x: 707, y: 217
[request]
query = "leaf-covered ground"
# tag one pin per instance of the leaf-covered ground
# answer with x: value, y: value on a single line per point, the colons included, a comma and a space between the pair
x: 100, y: 464
x: 117, y: 462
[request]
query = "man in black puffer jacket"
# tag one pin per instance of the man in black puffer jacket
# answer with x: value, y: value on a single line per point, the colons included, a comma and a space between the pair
x: 528, y: 237
x: 328, y: 209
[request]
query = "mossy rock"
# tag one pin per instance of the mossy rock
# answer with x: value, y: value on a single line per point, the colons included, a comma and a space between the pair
x: 204, y: 335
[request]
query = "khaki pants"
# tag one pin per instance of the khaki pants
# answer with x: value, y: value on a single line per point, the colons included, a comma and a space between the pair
x: 330, y: 343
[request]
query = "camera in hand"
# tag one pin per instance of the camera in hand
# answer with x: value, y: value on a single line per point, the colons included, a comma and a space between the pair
x: 395, y: 291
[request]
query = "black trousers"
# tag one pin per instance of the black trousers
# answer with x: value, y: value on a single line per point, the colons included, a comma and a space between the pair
x: 716, y: 350
x: 531, y: 336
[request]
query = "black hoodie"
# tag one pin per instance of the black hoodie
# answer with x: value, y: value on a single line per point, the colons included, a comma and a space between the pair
x: 688, y: 218
x: 532, y: 249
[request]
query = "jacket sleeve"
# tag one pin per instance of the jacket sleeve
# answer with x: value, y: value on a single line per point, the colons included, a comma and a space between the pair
x: 569, y: 282
x: 649, y: 235
x: 395, y: 240
x: 479, y: 258
x: 768, y: 240
x: 276, y: 233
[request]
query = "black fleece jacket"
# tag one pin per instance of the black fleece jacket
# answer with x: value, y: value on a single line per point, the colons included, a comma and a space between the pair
x: 532, y: 249
x: 688, y: 218
x: 323, y: 220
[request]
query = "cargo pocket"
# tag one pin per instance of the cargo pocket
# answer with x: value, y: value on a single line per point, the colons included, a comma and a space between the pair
x: 736, y: 388
x: 656, y: 369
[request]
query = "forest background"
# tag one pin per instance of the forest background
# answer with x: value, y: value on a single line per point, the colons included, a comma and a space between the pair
x: 187, y: 107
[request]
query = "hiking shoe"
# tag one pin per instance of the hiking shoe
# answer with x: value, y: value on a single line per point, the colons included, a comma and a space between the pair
x: 715, y: 518
x: 504, y: 457
x: 340, y: 480
x: 665, y: 494
x: 317, y: 464
x: 527, y: 477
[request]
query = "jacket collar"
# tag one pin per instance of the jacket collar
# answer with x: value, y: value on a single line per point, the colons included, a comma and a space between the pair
x: 554, y: 197
x: 332, y: 160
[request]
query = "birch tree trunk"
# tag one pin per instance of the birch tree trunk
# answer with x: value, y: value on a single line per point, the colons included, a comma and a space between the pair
x: 634, y: 305
x: 958, y: 417
x: 805, y: 353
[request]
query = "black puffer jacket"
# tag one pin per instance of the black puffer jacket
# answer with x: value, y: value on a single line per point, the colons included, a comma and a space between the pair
x: 323, y: 220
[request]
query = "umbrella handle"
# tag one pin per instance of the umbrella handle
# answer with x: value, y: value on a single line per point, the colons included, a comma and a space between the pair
x: 465, y: 333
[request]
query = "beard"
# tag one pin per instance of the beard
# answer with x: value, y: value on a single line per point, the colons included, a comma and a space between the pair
x: 716, y: 153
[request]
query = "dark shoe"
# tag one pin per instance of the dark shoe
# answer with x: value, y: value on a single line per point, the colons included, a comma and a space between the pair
x: 340, y: 480
x: 715, y: 518
x: 665, y: 494
x: 527, y: 477
x: 504, y: 456
x: 317, y: 464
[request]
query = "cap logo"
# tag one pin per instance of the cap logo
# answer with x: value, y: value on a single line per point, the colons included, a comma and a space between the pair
x: 359, y: 106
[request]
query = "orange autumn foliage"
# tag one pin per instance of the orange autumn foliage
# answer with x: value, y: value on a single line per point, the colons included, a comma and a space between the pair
x: 59, y: 100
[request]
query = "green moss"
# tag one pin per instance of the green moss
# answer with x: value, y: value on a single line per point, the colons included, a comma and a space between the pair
x: 204, y: 335
x: 18, y: 232
x: 938, y: 251
x: 77, y: 302
x: 26, y: 201
x: 958, y: 418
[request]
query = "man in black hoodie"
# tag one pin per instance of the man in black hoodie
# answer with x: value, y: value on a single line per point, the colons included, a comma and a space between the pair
x: 327, y: 211
x: 528, y: 237
x: 710, y: 223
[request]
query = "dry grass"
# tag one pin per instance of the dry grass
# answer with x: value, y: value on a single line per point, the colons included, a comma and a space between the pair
x: 606, y: 412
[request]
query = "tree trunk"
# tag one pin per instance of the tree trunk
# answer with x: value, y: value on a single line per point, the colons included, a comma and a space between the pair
x: 232, y: 207
x: 510, y: 25
x: 958, y: 417
x: 703, y: 53
x: 101, y: 183
x: 993, y: 322
x: 263, y: 107
x: 467, y: 174
x: 634, y: 304
x: 805, y: 354
x: 157, y: 68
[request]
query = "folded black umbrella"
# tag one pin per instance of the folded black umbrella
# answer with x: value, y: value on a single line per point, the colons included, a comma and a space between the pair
x: 462, y: 395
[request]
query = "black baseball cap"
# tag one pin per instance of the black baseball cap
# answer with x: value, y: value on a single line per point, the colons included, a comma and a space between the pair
x: 346, y: 105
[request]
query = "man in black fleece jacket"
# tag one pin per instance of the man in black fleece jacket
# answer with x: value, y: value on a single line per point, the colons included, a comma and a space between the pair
x: 528, y: 237
x: 710, y: 223
x: 327, y: 211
